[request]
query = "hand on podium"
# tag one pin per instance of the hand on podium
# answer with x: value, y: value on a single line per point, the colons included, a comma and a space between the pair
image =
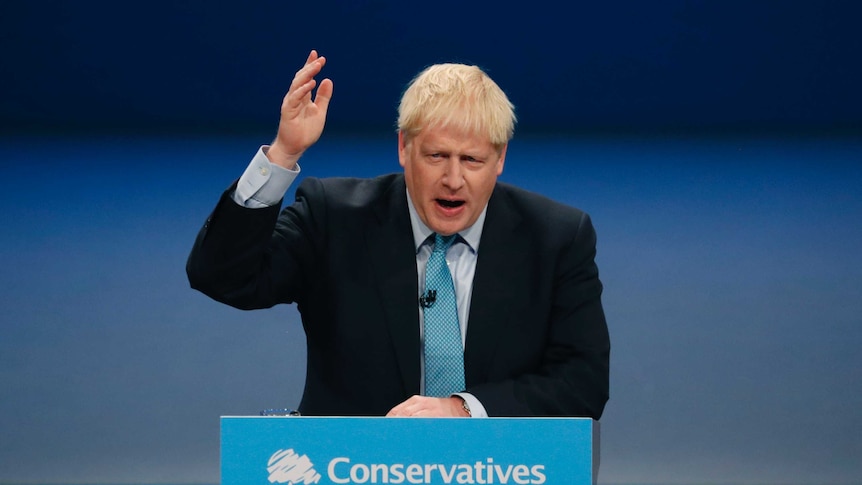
x: 431, y: 407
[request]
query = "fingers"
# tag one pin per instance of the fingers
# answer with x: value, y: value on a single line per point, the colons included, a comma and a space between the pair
x: 311, y: 57
x: 423, y: 406
x: 324, y: 94
x: 298, y: 94
x: 312, y: 67
x: 406, y: 408
x: 303, y: 83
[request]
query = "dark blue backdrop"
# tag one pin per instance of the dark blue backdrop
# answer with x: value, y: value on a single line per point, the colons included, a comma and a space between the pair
x: 202, y: 65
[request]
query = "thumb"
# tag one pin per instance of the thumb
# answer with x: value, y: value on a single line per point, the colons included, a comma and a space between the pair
x: 324, y: 94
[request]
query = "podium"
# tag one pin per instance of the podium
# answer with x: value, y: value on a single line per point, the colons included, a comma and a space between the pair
x: 261, y: 450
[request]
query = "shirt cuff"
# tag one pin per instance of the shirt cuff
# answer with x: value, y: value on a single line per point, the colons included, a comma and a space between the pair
x: 476, y: 408
x: 263, y: 184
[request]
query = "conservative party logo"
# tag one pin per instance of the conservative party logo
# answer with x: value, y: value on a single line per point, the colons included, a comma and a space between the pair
x: 287, y: 466
x: 292, y: 468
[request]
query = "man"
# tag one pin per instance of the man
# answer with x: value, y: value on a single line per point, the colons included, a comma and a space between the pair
x: 383, y: 296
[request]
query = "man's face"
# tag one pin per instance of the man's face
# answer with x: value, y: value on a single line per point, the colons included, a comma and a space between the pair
x: 450, y: 176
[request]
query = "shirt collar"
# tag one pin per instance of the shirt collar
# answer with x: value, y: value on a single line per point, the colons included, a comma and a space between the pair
x: 421, y: 232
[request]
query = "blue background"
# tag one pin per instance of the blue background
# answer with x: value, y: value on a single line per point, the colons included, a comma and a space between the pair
x: 716, y: 145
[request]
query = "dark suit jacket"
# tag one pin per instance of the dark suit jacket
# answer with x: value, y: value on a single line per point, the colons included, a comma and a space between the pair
x: 537, y: 341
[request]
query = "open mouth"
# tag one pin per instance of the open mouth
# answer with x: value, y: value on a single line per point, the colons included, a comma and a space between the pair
x: 450, y: 204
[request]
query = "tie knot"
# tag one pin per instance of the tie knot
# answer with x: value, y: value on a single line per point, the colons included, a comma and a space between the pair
x: 442, y: 243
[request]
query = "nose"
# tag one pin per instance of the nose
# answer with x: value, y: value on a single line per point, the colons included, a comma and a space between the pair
x: 453, y: 176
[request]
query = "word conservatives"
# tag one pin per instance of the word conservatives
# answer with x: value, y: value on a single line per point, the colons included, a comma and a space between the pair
x: 340, y: 470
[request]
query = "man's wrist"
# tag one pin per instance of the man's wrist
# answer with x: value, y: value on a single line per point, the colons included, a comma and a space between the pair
x: 277, y: 156
x: 464, y: 407
x: 263, y: 183
x: 477, y: 410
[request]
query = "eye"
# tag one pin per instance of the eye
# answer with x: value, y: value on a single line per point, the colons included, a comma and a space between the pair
x: 472, y: 161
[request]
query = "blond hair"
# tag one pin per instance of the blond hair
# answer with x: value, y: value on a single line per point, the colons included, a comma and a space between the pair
x: 458, y: 96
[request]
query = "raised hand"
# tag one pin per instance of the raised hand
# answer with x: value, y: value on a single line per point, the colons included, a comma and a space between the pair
x: 302, y: 119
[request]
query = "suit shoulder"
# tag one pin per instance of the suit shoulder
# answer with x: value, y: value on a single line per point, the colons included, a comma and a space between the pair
x: 550, y: 224
x: 539, y: 208
x: 350, y: 192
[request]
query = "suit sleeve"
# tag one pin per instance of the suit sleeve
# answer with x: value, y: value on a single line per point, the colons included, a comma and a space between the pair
x: 256, y: 258
x: 571, y: 376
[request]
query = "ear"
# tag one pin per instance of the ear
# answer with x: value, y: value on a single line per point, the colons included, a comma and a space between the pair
x: 402, y: 149
x: 502, y: 160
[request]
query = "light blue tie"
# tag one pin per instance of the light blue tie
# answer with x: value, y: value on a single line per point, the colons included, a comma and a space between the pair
x: 444, y: 353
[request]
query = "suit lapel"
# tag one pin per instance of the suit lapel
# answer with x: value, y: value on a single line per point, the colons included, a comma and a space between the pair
x: 497, y: 267
x: 389, y: 240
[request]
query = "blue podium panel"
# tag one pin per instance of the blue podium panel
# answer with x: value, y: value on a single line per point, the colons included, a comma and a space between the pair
x: 338, y: 450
